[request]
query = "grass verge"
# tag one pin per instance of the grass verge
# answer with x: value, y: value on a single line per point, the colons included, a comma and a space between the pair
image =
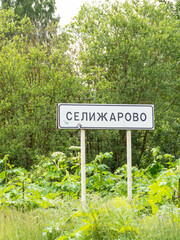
x: 103, y: 219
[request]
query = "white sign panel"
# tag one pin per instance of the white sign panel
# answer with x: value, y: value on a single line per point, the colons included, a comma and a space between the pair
x: 105, y: 116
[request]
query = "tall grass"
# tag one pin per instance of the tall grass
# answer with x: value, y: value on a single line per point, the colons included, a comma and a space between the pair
x: 38, y: 224
x: 101, y: 219
x: 159, y: 229
x: 18, y: 225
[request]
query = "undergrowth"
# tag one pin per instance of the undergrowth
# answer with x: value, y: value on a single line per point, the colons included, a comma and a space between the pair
x: 102, y: 218
x: 44, y: 203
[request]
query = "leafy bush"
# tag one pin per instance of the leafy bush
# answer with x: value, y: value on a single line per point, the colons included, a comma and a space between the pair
x: 59, y: 176
x: 107, y: 214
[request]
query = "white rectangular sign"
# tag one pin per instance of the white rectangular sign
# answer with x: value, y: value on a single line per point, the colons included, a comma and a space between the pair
x: 105, y: 116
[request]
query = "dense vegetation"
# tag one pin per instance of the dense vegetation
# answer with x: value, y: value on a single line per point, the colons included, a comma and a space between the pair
x: 130, y: 54
x: 49, y: 193
x: 110, y: 53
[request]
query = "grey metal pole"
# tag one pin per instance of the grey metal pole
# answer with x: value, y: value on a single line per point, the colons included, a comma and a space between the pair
x: 129, y: 165
x: 83, y: 167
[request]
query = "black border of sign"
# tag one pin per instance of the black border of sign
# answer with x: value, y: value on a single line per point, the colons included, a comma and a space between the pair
x: 58, y: 126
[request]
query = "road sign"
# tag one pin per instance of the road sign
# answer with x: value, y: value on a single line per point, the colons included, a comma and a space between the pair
x: 105, y: 116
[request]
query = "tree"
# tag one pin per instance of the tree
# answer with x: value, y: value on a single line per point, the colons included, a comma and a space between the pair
x: 129, y: 53
x: 40, y: 12
x: 34, y: 77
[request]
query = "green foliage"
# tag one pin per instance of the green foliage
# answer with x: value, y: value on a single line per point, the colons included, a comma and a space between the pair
x: 111, y: 53
x: 103, y: 218
x: 129, y: 53
x: 40, y: 12
x: 107, y: 218
x: 59, y: 176
x: 99, y: 221
x: 53, y: 187
x: 34, y: 78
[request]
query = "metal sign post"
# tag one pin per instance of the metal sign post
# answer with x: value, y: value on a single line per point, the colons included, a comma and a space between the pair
x: 129, y: 165
x: 83, y: 165
x: 105, y: 116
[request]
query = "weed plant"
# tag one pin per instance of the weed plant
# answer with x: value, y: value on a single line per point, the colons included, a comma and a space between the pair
x: 101, y: 219
x: 44, y: 204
